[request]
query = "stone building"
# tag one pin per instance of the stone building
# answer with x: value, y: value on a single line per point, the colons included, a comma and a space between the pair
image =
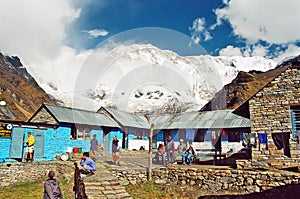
x: 275, y: 111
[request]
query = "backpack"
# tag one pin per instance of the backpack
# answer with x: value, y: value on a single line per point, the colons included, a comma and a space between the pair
x: 55, y: 189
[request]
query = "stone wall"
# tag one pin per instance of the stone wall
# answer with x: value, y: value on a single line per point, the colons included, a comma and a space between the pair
x: 43, y: 116
x: 270, y: 108
x: 243, y: 181
x: 17, y: 173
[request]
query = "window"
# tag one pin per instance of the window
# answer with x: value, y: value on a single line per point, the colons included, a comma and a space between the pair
x: 234, y: 136
x: 80, y: 133
x: 87, y: 133
x: 295, y: 117
x: 83, y: 132
x: 200, y: 135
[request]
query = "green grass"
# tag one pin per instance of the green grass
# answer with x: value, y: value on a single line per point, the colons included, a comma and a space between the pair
x: 35, y: 190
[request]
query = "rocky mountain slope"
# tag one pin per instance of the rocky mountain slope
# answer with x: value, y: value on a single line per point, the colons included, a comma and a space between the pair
x: 20, y: 95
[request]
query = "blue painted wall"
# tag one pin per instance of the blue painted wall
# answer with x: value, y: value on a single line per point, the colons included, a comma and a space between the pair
x: 57, y: 141
x: 4, y: 148
x: 50, y: 144
x: 109, y: 138
x: 160, y: 136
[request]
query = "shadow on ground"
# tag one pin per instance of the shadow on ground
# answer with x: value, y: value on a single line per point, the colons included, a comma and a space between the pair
x: 230, y: 161
x: 282, y: 192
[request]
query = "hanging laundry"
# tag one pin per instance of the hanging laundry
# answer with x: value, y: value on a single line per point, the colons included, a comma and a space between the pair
x: 223, y: 132
x: 216, y: 139
x: 262, y: 139
x: 281, y: 140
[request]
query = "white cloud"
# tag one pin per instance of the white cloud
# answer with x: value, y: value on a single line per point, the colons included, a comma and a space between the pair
x: 198, y: 25
x: 96, y: 32
x: 230, y: 51
x: 199, y: 32
x: 292, y: 50
x: 249, y: 50
x: 259, y: 50
x: 273, y: 21
x: 34, y: 29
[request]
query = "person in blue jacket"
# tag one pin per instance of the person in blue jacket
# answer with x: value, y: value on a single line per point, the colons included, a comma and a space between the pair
x: 189, y: 154
x: 89, y: 166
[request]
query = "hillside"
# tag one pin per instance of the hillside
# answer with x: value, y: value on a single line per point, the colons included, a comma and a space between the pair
x: 20, y: 94
x: 243, y: 87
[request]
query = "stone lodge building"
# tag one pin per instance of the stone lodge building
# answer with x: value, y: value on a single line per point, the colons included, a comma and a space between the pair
x: 275, y: 111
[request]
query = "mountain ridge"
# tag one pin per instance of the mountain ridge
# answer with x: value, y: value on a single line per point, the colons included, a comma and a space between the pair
x: 19, y: 92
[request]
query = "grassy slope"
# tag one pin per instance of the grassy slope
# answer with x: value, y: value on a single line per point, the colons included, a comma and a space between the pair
x: 35, y: 189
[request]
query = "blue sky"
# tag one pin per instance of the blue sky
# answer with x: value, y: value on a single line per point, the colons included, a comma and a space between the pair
x: 64, y: 30
x: 118, y: 16
x: 221, y: 27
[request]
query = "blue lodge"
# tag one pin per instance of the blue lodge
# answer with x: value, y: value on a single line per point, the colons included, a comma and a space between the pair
x: 56, y: 130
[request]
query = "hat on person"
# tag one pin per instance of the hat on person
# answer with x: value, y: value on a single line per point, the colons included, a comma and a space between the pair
x: 181, y: 140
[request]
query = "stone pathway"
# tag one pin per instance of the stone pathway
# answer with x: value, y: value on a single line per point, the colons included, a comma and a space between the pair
x: 103, y: 185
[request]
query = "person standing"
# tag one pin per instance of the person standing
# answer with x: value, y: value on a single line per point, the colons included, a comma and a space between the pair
x: 89, y: 166
x: 94, y: 147
x: 51, y: 188
x: 115, y: 151
x: 170, y: 148
x: 29, y: 148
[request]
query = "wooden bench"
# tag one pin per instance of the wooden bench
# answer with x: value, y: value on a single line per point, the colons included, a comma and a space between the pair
x: 219, y: 159
x: 217, y: 156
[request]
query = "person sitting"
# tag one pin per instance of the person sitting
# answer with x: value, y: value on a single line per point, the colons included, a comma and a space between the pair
x: 180, y: 150
x: 181, y: 147
x: 189, y: 154
x: 160, y: 156
x: 89, y: 166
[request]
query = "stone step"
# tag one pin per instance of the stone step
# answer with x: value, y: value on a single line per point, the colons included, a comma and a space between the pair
x: 108, y: 194
x: 93, y: 192
x: 98, y: 197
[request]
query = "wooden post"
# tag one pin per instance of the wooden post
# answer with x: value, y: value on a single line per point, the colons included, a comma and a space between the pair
x: 150, y: 153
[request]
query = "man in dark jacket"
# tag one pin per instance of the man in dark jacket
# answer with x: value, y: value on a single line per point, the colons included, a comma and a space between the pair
x: 51, y: 188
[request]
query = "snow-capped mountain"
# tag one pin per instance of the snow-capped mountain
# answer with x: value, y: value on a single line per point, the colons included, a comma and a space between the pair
x: 143, y: 78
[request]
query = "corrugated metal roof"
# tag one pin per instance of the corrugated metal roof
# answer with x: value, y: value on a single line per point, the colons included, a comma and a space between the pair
x: 201, y: 120
x: 128, y: 119
x: 77, y: 116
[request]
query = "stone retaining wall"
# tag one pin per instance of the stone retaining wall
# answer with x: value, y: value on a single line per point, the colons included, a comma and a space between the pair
x: 244, y: 181
x: 16, y: 173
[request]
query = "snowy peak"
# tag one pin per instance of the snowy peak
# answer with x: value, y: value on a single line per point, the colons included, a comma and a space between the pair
x: 139, y: 78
